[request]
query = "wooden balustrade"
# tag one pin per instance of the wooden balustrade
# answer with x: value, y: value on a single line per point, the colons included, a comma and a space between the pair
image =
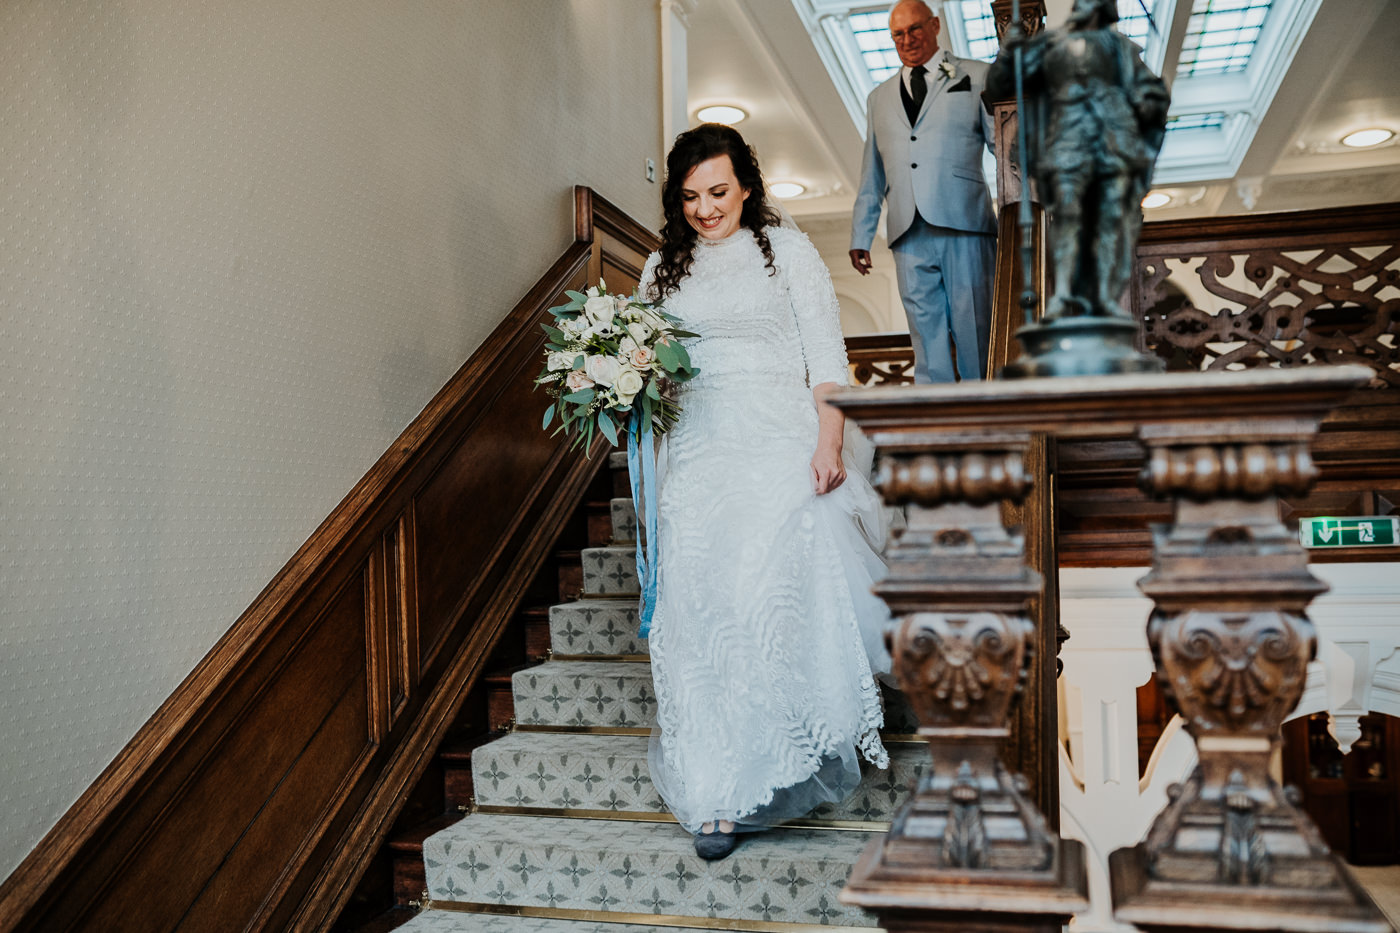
x: 1290, y: 290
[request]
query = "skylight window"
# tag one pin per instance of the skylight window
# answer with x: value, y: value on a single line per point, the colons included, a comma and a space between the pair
x: 980, y: 29
x: 1221, y: 35
x: 1233, y: 56
x: 1133, y: 21
x: 1197, y: 121
x: 872, y: 32
x: 970, y: 31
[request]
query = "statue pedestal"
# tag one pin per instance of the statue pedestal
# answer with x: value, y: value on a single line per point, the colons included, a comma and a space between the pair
x: 1229, y: 634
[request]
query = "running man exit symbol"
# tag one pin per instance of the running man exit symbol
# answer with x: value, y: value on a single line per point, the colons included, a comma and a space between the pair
x: 1362, y: 531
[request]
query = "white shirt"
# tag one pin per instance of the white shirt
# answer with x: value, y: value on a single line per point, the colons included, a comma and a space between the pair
x: 906, y: 74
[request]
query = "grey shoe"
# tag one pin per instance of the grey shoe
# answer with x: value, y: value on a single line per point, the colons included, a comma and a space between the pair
x: 715, y: 845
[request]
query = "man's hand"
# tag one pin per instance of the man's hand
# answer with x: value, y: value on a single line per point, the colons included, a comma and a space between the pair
x: 860, y: 260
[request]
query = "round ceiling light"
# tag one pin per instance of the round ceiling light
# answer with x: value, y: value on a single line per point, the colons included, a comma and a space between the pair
x: 1368, y: 137
x: 721, y: 113
x: 786, y: 189
x: 1156, y: 199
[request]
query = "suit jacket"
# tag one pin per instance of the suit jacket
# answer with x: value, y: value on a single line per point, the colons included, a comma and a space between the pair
x: 935, y: 165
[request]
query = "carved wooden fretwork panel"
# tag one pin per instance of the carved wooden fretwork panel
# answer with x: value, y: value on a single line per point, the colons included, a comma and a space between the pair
x: 1240, y: 308
x: 884, y: 372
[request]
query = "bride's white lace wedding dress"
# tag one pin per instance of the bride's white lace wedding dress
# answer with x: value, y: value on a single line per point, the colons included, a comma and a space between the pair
x: 764, y: 630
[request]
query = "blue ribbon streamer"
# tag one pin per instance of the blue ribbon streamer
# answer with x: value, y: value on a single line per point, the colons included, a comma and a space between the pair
x: 641, y: 470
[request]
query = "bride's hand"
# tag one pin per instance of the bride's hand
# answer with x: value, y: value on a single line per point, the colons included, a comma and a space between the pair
x: 828, y: 471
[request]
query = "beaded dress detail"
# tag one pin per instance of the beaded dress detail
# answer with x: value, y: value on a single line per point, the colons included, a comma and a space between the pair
x: 766, y: 637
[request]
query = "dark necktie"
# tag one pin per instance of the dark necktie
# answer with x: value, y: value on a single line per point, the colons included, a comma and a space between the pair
x: 918, y: 87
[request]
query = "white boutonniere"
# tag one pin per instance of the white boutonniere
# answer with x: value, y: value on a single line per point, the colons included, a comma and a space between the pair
x: 946, y: 69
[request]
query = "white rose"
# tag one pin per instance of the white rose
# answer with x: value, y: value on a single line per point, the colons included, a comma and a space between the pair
x: 598, y: 309
x: 602, y: 369
x: 656, y: 321
x: 559, y: 360
x: 639, y: 332
x: 627, y: 385
x: 625, y: 347
x: 599, y: 329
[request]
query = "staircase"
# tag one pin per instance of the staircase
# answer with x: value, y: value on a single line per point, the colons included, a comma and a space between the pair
x: 566, y: 833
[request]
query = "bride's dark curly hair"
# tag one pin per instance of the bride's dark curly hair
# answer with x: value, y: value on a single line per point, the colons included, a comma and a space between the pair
x: 677, y: 236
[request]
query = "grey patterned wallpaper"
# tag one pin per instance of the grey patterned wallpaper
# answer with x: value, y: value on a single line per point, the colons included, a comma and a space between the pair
x: 241, y: 245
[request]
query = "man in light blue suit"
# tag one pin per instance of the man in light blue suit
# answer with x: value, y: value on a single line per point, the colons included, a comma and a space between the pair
x: 926, y: 131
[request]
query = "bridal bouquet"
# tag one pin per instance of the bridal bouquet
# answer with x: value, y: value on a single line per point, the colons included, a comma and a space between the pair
x: 610, y: 364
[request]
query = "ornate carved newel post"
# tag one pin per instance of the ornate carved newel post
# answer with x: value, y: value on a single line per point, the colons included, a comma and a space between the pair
x: 1230, y: 636
x: 969, y: 852
x: 1231, y: 641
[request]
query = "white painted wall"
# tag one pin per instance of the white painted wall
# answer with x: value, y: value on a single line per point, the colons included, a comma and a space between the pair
x: 241, y: 245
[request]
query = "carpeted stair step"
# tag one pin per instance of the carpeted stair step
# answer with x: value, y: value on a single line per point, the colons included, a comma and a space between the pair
x: 617, y: 465
x: 574, y: 694
x: 619, y: 695
x: 406, y: 857
x: 786, y: 875
x: 609, y: 773
x: 436, y: 920
x: 610, y: 571
x: 624, y: 520
x: 596, y: 627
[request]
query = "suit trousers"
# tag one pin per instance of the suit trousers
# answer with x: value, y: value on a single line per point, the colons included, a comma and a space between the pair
x: 945, y: 281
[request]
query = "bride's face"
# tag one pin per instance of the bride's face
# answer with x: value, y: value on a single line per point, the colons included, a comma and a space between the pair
x: 712, y: 198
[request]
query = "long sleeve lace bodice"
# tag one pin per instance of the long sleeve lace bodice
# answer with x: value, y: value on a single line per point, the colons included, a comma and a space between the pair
x: 753, y: 324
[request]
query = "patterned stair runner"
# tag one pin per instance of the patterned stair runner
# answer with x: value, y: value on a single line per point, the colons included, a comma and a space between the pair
x: 568, y: 834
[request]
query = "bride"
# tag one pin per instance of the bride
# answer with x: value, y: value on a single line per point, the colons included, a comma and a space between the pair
x: 765, y: 637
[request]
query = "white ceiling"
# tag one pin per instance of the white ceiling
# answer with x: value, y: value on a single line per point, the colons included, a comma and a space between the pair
x: 758, y: 54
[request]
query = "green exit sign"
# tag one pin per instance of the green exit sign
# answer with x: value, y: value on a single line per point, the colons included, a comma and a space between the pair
x: 1369, y: 531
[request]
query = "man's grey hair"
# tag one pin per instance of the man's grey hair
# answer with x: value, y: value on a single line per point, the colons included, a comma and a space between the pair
x: 934, y: 7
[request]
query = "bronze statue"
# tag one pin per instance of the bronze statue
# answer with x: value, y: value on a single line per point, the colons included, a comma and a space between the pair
x: 1095, y: 117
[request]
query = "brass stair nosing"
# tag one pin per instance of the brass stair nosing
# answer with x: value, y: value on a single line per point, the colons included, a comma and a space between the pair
x: 892, y: 738
x: 656, y: 920
x: 630, y: 658
x: 583, y: 730
x: 643, y: 816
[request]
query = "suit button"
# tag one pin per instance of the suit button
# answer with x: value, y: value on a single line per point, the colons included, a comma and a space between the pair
x: 913, y: 139
x: 913, y: 164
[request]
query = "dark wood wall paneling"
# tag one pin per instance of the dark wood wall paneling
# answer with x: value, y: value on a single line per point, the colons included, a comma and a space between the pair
x: 255, y: 795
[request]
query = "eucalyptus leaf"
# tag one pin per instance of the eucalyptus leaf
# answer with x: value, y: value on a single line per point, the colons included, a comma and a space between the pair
x: 548, y: 416
x: 666, y: 356
x: 605, y: 423
x: 581, y: 397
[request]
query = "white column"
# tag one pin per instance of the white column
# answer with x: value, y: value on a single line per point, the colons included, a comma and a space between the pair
x: 1105, y: 660
x: 675, y: 112
x: 1103, y: 803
